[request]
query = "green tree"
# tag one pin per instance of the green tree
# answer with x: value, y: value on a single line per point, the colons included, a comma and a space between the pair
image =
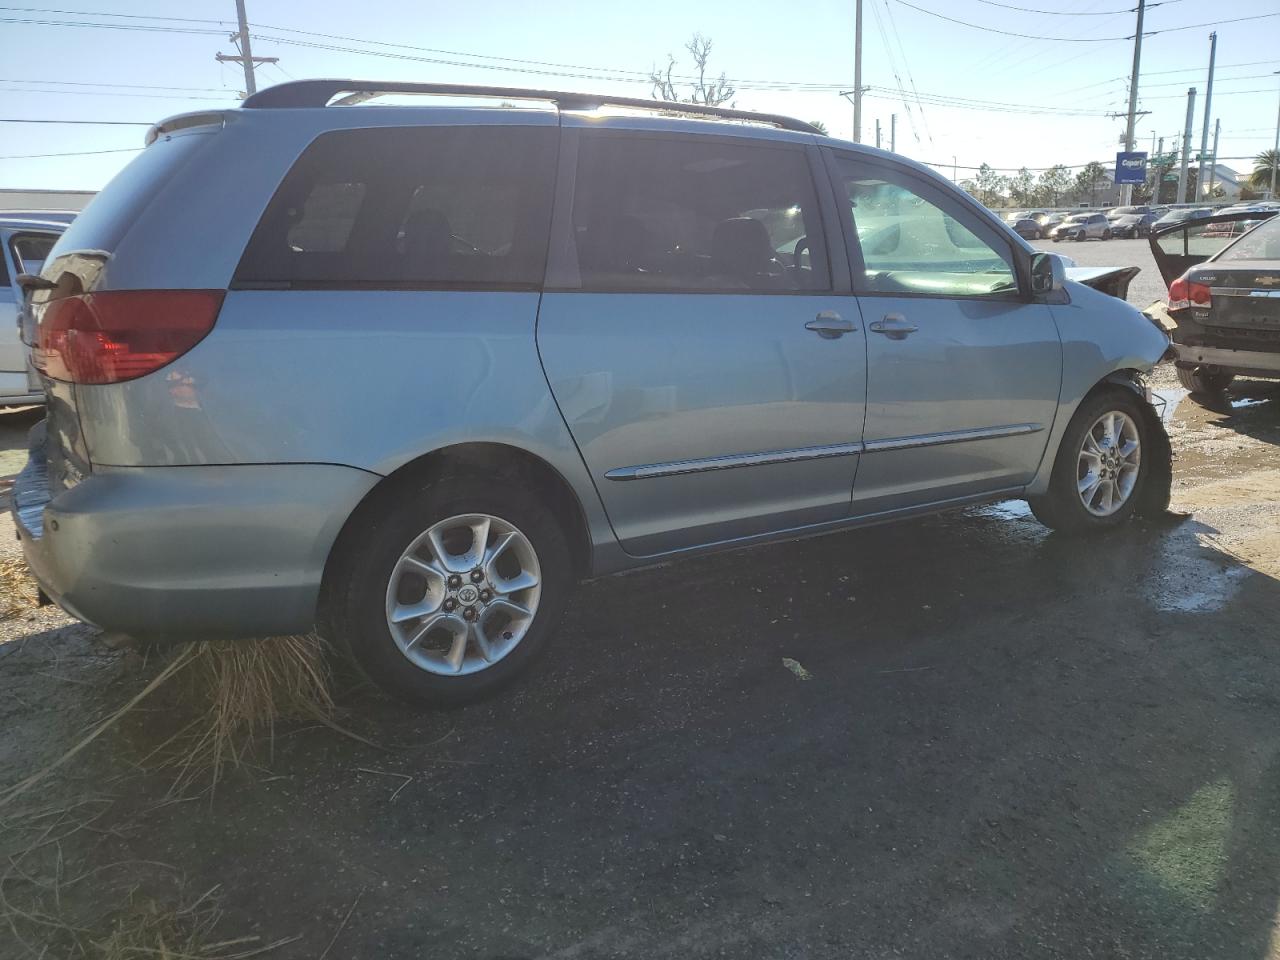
x: 1090, y: 177
x: 1263, y: 164
x: 710, y: 92
x: 1053, y: 183
x: 989, y: 184
x: 1022, y: 187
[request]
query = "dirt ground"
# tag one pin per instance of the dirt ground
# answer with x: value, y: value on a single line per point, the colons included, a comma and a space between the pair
x: 1009, y: 744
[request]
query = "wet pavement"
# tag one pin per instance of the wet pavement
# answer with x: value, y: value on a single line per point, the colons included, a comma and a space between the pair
x: 1002, y: 743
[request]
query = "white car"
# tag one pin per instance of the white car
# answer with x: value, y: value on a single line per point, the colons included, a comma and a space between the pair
x: 24, y: 244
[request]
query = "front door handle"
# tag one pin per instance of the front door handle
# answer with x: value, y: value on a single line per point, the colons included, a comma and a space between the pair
x: 829, y: 325
x: 894, y: 326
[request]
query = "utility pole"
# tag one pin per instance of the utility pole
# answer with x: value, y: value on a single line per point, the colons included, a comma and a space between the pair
x: 858, y: 71
x: 246, y: 58
x: 1133, y: 93
x: 877, y: 133
x: 1213, y: 163
x: 893, y: 133
x: 1275, y: 152
x: 953, y: 168
x: 1186, y: 146
x: 1208, y: 104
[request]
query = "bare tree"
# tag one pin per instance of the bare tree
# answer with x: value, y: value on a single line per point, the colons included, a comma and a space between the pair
x: 712, y: 93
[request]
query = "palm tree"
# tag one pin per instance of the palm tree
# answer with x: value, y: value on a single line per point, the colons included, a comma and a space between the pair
x: 819, y: 126
x: 1263, y: 164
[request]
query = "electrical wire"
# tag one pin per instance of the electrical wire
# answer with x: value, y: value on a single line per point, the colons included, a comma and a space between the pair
x: 74, y: 153
x: 1008, y: 33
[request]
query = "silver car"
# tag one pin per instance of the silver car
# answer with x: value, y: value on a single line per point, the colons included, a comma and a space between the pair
x: 409, y: 373
x: 24, y: 244
x: 1083, y: 226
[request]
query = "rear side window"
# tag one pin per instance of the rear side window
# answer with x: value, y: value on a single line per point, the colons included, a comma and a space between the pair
x: 30, y: 251
x: 696, y: 214
x: 433, y: 207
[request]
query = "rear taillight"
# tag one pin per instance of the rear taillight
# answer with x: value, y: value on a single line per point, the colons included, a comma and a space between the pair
x: 1184, y: 293
x: 121, y: 335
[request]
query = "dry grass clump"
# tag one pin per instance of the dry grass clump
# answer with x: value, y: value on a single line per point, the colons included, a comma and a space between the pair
x: 17, y: 590
x: 236, y: 691
x: 231, y: 694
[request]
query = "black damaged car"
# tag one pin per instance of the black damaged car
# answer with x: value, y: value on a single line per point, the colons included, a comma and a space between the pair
x: 1223, y: 308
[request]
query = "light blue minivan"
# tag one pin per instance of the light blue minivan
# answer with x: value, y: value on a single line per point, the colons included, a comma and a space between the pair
x: 409, y: 372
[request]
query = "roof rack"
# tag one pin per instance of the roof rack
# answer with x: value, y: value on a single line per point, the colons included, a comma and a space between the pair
x: 320, y: 93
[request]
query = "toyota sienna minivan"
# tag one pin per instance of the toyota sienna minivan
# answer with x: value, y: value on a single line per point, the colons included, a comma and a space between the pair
x: 408, y: 372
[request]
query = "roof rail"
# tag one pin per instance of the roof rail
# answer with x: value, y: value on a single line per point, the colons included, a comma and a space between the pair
x: 320, y: 93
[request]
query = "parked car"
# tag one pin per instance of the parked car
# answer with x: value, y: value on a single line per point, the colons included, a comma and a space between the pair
x: 1082, y: 226
x: 24, y: 243
x: 1179, y: 214
x: 1130, y: 225
x: 1027, y: 228
x: 1223, y: 308
x: 1048, y: 221
x: 582, y: 343
x: 1115, y: 212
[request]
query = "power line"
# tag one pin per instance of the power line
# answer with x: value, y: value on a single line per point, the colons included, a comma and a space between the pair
x: 1009, y: 33
x: 1070, y: 13
x: 1028, y: 36
x: 75, y: 153
x: 103, y: 13
x: 127, y: 86
x: 94, y: 123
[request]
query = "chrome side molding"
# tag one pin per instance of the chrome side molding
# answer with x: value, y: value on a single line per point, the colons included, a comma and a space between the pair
x: 731, y: 461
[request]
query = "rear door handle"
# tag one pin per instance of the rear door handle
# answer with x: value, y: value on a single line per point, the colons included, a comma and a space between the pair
x: 894, y: 326
x: 829, y: 325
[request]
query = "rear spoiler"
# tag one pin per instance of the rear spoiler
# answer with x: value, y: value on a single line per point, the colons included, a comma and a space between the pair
x: 183, y: 121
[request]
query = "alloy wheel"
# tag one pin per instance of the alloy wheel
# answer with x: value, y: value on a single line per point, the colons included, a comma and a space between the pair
x: 463, y: 594
x: 1108, y: 463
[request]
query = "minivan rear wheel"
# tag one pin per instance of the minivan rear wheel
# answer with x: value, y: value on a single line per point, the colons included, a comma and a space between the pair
x: 449, y: 592
x: 1100, y: 469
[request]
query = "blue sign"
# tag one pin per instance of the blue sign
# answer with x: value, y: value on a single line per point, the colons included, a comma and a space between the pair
x: 1131, y: 167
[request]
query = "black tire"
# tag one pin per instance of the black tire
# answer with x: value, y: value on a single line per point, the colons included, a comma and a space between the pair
x: 1203, y: 383
x: 357, y: 583
x: 1061, y: 508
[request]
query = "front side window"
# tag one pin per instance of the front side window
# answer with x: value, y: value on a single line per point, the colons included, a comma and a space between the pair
x: 463, y: 207
x: 706, y: 215
x: 914, y: 245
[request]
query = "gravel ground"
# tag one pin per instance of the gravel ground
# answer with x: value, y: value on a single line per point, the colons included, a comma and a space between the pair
x: 1007, y: 744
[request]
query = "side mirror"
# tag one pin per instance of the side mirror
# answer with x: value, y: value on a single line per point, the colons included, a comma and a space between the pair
x: 1048, y: 274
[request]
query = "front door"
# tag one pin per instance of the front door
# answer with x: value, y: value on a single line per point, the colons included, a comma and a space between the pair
x: 711, y: 377
x: 963, y: 370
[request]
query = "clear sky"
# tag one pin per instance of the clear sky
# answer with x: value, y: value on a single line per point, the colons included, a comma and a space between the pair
x: 1044, y: 100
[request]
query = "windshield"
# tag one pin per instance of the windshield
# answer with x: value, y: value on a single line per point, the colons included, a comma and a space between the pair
x: 1260, y: 243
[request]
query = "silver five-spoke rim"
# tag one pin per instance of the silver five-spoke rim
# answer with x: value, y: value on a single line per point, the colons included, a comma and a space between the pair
x: 1108, y: 465
x: 463, y: 594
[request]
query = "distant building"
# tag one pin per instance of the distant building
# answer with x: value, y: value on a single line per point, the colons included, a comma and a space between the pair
x: 72, y: 200
x: 1223, y: 176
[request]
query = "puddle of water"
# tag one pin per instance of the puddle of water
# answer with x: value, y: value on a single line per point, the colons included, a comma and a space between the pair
x: 1188, y: 580
x: 1006, y: 510
x: 1172, y: 396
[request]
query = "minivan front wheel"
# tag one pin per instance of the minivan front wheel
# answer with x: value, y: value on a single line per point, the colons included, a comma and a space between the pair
x: 1099, y: 471
x: 450, y: 593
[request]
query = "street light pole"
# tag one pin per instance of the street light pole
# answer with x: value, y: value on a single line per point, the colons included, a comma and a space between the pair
x: 1275, y: 151
x: 1208, y: 104
x: 1186, y: 147
x: 857, y: 72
